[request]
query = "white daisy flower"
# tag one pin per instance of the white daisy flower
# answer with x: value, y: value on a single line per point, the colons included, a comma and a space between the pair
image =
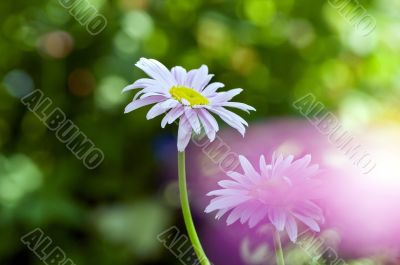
x: 188, y: 96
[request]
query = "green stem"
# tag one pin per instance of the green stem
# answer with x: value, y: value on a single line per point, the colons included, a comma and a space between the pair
x: 278, y: 249
x: 187, y: 217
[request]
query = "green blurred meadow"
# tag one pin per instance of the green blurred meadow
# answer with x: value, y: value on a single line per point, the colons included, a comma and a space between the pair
x: 277, y: 50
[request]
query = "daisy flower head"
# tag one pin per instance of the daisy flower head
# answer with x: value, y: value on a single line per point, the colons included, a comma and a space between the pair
x: 187, y: 96
x: 280, y: 193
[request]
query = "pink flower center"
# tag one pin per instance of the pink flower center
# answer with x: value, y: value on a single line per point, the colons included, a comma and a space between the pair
x: 274, y: 192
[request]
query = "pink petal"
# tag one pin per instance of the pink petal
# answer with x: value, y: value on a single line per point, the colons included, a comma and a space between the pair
x: 291, y: 228
x: 301, y: 163
x: 236, y: 214
x: 229, y: 184
x: 278, y: 218
x: 251, y: 209
x: 310, y: 171
x: 308, y: 221
x: 242, y: 179
x: 310, y: 209
x: 263, y: 167
x: 248, y: 169
x: 276, y: 165
x: 221, y: 212
x: 257, y: 216
x: 225, y: 202
x: 226, y: 192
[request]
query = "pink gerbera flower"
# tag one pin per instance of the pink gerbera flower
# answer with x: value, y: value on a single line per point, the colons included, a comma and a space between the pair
x: 187, y: 96
x: 279, y: 193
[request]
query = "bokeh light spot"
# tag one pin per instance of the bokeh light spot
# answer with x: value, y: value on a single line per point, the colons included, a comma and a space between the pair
x: 18, y: 83
x: 125, y: 43
x: 137, y: 24
x: 260, y: 12
x: 56, y: 44
x: 109, y: 94
x: 18, y: 176
x: 81, y: 82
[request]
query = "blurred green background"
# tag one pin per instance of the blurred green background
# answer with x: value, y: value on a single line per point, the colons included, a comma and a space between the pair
x: 277, y: 50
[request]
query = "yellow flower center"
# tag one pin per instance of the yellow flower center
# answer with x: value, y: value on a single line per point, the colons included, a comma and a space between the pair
x: 191, y: 95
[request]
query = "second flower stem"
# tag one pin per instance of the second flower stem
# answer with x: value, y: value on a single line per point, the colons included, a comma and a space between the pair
x: 187, y: 216
x: 278, y: 248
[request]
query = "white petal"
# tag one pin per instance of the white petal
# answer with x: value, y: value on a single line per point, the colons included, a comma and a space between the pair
x: 156, y: 70
x: 164, y: 120
x: 179, y: 74
x: 150, y: 94
x: 142, y: 83
x: 200, y: 78
x: 184, y: 134
x: 129, y: 87
x: 208, y: 127
x: 177, y: 112
x: 151, y: 90
x: 185, y: 102
x: 155, y: 111
x: 169, y: 103
x: 143, y: 102
x: 238, y: 105
x: 191, y: 115
x: 171, y: 116
x: 211, y: 88
x: 229, y: 118
x: 225, y: 96
x: 233, y: 116
x: 205, y: 82
x: 189, y: 78
x: 210, y: 119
